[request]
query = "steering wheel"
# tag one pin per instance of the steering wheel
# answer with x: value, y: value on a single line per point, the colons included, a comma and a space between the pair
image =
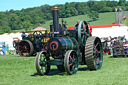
x: 38, y: 34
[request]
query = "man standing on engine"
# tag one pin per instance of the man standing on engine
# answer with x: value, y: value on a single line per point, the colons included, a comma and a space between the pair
x: 76, y: 26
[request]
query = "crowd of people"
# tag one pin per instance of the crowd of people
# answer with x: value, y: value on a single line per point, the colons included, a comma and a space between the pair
x: 112, y: 41
x: 117, y: 44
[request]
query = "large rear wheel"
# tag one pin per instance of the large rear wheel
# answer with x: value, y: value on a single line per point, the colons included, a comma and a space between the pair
x: 93, y: 53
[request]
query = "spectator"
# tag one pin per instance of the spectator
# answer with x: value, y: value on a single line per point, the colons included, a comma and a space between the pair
x: 109, y: 38
x: 4, y: 45
x: 124, y: 38
x: 90, y: 29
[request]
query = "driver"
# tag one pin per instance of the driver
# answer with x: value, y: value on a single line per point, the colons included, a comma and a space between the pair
x: 76, y: 26
x: 23, y: 35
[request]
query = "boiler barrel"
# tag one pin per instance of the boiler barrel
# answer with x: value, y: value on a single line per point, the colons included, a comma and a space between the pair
x: 68, y: 44
x: 60, y: 45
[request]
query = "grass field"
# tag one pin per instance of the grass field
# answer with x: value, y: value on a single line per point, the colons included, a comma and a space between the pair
x: 16, y: 70
x: 104, y: 18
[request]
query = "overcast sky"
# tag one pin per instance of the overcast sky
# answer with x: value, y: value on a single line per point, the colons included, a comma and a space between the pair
x: 19, y: 4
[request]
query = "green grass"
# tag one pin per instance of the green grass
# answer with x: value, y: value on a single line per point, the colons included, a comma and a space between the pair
x: 16, y: 70
x: 104, y: 18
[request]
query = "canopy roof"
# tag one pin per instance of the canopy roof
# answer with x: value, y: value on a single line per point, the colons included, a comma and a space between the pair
x: 39, y: 29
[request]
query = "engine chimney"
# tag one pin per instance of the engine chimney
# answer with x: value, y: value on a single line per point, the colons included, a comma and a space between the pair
x: 55, y: 19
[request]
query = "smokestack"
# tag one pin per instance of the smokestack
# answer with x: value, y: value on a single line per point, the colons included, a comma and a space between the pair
x: 55, y: 19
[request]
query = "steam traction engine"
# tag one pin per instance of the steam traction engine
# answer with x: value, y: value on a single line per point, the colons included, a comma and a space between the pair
x: 32, y: 43
x: 67, y: 49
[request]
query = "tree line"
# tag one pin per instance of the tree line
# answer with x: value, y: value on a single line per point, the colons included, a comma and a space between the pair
x: 29, y: 18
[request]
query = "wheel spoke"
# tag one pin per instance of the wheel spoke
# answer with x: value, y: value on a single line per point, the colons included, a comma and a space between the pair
x: 73, y: 58
x: 70, y: 64
x: 70, y: 57
x: 95, y: 46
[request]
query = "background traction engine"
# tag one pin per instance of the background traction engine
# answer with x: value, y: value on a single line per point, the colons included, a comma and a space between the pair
x: 67, y: 49
x: 31, y: 44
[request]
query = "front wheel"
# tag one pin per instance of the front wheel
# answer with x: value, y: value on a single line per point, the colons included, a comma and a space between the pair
x: 41, y: 62
x: 71, y: 62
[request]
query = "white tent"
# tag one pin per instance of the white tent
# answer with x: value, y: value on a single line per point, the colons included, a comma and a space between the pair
x: 8, y: 39
x: 114, y: 31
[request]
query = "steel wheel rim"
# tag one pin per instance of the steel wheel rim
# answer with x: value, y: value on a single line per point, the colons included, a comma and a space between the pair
x: 71, y: 62
x: 97, y: 54
x: 93, y: 53
x: 43, y: 63
x: 42, y: 66
x: 25, y: 48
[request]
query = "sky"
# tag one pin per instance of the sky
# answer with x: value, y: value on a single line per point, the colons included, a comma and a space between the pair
x: 19, y: 4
